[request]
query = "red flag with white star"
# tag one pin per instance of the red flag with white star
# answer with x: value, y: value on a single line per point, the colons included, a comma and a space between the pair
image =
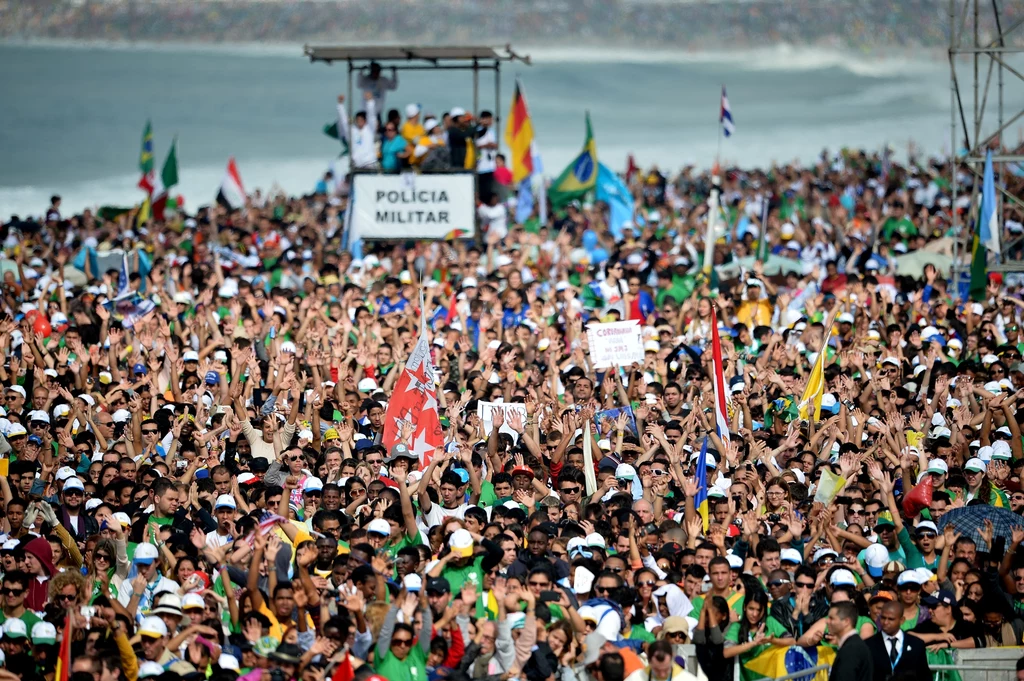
x: 414, y: 400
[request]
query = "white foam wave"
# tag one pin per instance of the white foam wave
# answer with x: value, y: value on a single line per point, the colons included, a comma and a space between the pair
x: 781, y: 57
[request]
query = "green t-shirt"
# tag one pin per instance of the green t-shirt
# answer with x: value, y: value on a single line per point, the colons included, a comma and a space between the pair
x: 412, y: 668
x: 735, y: 601
x: 28, y: 617
x: 456, y: 576
x: 638, y: 632
x: 405, y: 541
x: 487, y: 495
x: 772, y: 627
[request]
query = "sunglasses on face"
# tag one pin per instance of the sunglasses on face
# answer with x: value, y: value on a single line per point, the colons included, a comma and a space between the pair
x: 101, y: 556
x: 66, y: 597
x: 570, y: 490
x: 542, y: 585
x: 147, y: 431
x: 11, y: 592
x: 805, y: 585
x: 401, y: 642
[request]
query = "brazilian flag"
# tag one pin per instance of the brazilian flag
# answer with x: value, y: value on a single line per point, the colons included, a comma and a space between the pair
x: 579, y: 177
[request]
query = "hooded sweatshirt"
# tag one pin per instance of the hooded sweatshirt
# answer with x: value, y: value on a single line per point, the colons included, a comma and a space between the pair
x: 39, y: 586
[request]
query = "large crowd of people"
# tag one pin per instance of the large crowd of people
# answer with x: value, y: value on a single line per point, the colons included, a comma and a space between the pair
x: 202, y: 478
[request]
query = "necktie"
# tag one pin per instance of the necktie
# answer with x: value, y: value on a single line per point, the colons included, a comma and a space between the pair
x: 893, y: 653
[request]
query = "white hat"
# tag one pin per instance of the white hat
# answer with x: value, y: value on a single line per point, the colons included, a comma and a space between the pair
x: 150, y: 669
x: 190, y: 356
x: 823, y: 553
x: 926, y: 525
x: 976, y: 465
x: 845, y: 318
x: 123, y: 518
x: 313, y: 484
x: 791, y: 556
x: 153, y: 627
x: 1001, y: 450
x: 61, y: 410
x: 379, y: 526
x: 985, y: 453
x: 39, y: 415
x: 73, y: 483
x: 842, y: 577
x: 993, y: 387
x: 92, y: 503
x: 121, y: 416
x: 169, y: 604
x: 908, y: 577
x: 44, y: 633
x: 225, y: 501
x: 245, y: 478
x: 17, y: 389
x: 367, y: 385
x: 16, y: 430
x: 412, y: 582
x: 15, y: 628
x: 735, y: 562
x: 288, y: 347
x: 145, y: 553
x: 412, y: 110
x: 456, y: 112
x: 226, y: 661
x: 938, y: 467
x: 428, y: 125
x: 594, y: 539
x: 461, y: 543
x: 469, y: 282
x: 65, y: 472
x: 624, y: 471
x: 876, y: 556
x: 192, y: 600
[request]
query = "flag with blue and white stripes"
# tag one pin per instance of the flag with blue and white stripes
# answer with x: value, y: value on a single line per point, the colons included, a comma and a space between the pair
x: 725, y: 117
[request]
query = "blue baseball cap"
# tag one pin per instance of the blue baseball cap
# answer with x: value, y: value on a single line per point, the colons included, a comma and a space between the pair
x: 139, y: 368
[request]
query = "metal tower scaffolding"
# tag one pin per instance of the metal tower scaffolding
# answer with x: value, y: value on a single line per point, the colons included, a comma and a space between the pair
x: 980, y: 45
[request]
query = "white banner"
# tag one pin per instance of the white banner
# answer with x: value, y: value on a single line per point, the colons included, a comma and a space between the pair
x: 484, y: 409
x: 615, y: 344
x: 413, y: 206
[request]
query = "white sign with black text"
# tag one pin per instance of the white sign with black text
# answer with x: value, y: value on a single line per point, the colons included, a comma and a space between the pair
x: 413, y: 206
x: 615, y: 344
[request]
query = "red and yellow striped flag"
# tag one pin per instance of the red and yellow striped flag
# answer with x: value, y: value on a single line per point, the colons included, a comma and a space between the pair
x: 63, y: 670
x: 519, y: 136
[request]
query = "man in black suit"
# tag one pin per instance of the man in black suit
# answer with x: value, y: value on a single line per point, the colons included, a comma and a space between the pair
x: 895, y: 653
x: 853, y: 661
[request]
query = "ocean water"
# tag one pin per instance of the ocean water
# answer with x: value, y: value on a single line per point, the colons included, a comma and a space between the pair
x: 73, y: 115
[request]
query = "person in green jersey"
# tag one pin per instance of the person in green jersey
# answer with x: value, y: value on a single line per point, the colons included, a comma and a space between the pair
x: 401, y: 653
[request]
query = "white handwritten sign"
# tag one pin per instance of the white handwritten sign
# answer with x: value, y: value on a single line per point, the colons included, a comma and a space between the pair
x: 485, y: 411
x: 615, y: 344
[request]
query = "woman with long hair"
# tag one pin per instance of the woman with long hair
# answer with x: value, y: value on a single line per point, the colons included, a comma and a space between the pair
x: 755, y: 631
x: 103, y: 571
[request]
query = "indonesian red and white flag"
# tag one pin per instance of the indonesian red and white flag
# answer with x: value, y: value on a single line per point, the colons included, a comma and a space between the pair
x: 414, y: 400
x: 718, y: 381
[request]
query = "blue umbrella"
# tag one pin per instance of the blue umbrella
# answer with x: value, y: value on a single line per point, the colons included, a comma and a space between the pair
x: 968, y: 521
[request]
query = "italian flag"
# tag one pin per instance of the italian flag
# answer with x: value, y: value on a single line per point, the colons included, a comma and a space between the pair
x: 168, y: 178
x: 231, y: 194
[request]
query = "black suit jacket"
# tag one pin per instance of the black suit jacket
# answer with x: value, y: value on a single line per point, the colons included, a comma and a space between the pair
x: 853, y: 662
x: 912, y: 663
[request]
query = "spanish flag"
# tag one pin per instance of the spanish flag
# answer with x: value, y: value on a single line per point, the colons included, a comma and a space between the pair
x: 519, y: 136
x: 579, y: 177
x: 63, y: 670
x: 811, y: 399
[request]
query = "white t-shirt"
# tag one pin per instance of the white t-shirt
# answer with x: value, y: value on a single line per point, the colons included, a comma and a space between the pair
x: 438, y: 513
x: 494, y: 219
x: 216, y: 540
x: 485, y: 161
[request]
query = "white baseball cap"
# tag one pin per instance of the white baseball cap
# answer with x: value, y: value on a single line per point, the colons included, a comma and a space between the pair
x: 225, y: 501
x: 379, y: 526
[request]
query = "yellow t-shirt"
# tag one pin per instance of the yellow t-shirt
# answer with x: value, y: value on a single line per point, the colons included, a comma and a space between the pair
x: 412, y: 131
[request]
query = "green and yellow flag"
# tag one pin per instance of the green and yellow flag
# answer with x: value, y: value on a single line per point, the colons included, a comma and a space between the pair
x: 579, y: 177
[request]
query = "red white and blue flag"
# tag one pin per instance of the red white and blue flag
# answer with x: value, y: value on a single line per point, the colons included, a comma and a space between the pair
x: 718, y: 382
x: 725, y: 117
